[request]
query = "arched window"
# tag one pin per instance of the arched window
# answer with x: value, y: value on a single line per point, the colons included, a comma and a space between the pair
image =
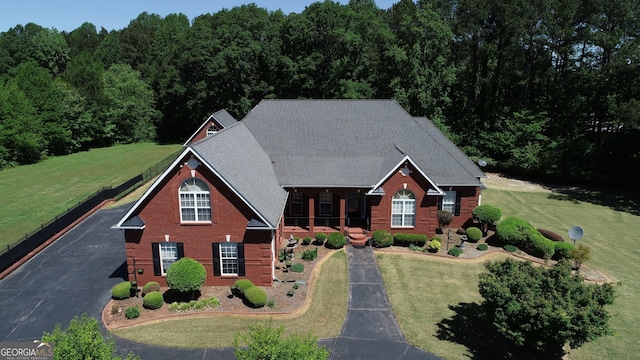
x: 195, y: 202
x: 212, y: 130
x: 403, y: 209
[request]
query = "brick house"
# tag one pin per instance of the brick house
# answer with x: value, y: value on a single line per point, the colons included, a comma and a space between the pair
x: 296, y: 167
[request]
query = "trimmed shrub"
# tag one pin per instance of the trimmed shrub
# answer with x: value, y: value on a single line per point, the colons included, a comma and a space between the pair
x: 436, y: 238
x: 336, y: 240
x: 444, y: 218
x: 487, y: 215
x: 297, y: 267
x: 149, y: 287
x: 434, y: 246
x: 541, y: 246
x: 132, y: 312
x: 309, y: 255
x: 482, y: 247
x: 510, y: 248
x: 256, y: 296
x: 382, y: 238
x: 306, y: 240
x: 514, y: 231
x: 455, y: 251
x: 320, y: 238
x: 474, y: 234
x: 153, y: 300
x: 404, y: 239
x: 562, y: 249
x: 121, y: 291
x: 243, y: 285
x: 186, y: 274
x: 550, y: 235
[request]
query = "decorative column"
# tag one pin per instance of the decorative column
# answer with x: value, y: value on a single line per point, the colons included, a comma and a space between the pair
x: 312, y: 214
x: 342, y: 212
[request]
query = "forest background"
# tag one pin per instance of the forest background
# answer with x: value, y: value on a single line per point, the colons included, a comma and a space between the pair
x: 540, y: 88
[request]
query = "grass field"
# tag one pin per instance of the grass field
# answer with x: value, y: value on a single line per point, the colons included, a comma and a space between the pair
x: 436, y: 309
x: 32, y: 195
x: 324, y: 318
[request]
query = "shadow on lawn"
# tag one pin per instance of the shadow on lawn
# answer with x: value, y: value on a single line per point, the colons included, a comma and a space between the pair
x: 468, y: 327
x: 624, y: 201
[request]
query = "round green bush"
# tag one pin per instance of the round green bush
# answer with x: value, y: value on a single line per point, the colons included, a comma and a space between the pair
x: 382, y: 238
x: 514, y: 231
x: 335, y: 240
x: 474, y: 234
x: 149, y: 287
x: 510, y: 248
x: 121, y: 291
x: 297, y: 267
x: 243, y: 285
x: 320, y: 238
x: 436, y: 238
x: 256, y: 296
x: 186, y: 274
x: 153, y: 300
x: 434, y: 246
x: 455, y: 252
x: 487, y: 214
x: 306, y: 240
x: 482, y: 247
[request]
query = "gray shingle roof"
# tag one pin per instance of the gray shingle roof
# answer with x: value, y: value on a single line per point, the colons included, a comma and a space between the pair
x: 224, y: 118
x: 238, y: 158
x: 352, y: 143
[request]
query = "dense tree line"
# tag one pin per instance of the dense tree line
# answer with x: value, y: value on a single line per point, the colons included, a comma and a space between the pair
x: 548, y: 87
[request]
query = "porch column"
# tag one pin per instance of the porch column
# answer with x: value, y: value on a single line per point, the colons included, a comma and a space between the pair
x: 342, y: 212
x: 311, y: 214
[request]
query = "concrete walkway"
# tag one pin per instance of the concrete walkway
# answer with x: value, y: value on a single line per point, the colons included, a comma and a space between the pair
x: 370, y: 330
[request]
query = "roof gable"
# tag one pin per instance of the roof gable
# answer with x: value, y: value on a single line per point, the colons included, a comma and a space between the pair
x: 220, y: 118
x: 238, y: 161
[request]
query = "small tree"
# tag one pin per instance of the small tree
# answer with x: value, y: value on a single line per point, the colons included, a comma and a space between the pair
x: 82, y: 340
x: 264, y: 342
x: 444, y: 218
x: 544, y: 307
x: 579, y: 255
x: 487, y: 215
x: 186, y: 275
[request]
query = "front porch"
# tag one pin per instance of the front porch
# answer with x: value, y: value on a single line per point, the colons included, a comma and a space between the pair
x: 300, y: 226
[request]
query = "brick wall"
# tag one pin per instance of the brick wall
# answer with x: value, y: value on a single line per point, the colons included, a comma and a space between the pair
x: 161, y: 214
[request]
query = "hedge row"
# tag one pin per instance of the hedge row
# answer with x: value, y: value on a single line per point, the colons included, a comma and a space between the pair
x: 256, y: 296
x: 404, y: 239
x: 521, y: 234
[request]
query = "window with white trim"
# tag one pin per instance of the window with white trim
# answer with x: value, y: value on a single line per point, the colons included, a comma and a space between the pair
x: 168, y: 255
x: 403, y: 209
x: 326, y: 203
x: 212, y: 130
x: 229, y: 258
x: 195, y: 203
x: 295, y: 203
x: 449, y: 201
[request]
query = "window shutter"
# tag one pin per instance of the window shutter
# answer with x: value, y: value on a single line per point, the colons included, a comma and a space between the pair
x: 458, y: 197
x: 155, y: 250
x: 180, y: 249
x: 215, y: 247
x: 241, y: 259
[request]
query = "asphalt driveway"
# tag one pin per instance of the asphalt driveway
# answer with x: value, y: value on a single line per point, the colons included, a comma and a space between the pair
x: 75, y: 274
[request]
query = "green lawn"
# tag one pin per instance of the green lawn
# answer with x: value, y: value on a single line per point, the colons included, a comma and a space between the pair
x: 436, y: 309
x: 34, y: 194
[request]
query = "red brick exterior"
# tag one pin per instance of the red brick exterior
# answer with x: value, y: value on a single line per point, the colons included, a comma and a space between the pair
x: 161, y: 215
x: 202, y: 133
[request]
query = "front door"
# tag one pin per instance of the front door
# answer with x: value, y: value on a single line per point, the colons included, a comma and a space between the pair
x: 355, y: 205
